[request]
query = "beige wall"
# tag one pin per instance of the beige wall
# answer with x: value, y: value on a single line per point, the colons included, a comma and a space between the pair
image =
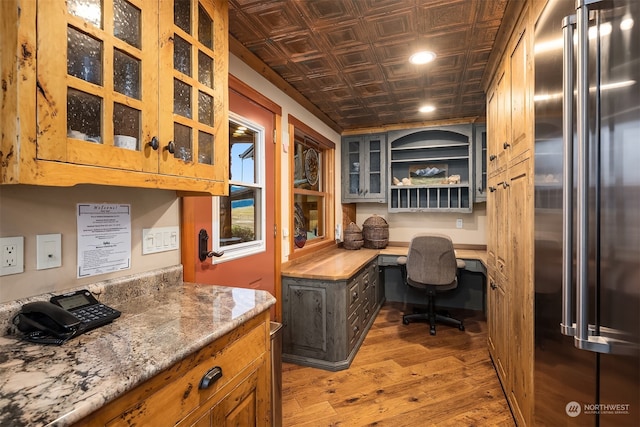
x: 28, y: 211
x: 403, y: 226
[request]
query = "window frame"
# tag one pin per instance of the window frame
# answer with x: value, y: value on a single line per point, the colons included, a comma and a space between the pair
x: 328, y: 188
x: 244, y: 249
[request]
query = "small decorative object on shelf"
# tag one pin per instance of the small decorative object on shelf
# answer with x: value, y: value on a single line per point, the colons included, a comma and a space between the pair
x: 353, y: 237
x: 376, y: 232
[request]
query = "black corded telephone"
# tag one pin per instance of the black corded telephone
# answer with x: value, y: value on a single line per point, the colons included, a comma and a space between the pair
x: 64, y: 317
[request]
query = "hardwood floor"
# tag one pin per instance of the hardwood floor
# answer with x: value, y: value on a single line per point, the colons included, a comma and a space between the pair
x: 402, y: 376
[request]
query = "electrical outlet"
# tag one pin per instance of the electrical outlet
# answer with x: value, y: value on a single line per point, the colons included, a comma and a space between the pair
x: 11, y: 255
x: 459, y: 223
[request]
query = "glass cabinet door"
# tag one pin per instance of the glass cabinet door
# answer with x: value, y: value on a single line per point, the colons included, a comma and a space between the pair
x: 375, y: 172
x: 194, y: 108
x: 94, y: 107
x: 352, y: 159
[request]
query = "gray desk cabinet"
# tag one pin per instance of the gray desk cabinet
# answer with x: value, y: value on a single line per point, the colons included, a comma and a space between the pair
x: 325, y: 321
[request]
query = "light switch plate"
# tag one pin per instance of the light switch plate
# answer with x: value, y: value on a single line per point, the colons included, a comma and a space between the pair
x: 160, y: 239
x: 48, y: 251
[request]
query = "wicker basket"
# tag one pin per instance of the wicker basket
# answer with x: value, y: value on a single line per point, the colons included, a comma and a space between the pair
x: 353, y: 237
x: 376, y: 232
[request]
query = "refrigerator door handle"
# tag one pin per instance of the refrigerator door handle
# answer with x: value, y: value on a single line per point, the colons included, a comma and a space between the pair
x: 567, y: 326
x: 582, y: 339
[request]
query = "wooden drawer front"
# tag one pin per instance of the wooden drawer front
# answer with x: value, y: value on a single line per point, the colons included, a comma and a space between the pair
x: 177, y: 399
x: 353, y: 295
x: 366, y: 310
x: 354, y: 329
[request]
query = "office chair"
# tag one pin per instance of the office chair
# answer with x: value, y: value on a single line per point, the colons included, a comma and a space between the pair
x: 431, y: 265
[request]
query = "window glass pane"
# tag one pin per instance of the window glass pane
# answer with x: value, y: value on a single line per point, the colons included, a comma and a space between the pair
x: 205, y: 69
x: 205, y: 28
x: 126, y: 74
x: 126, y: 22
x: 84, y: 116
x: 307, y: 167
x: 126, y: 126
x: 181, y: 98
x: 89, y: 10
x: 205, y: 148
x: 239, y: 215
x: 84, y: 56
x: 182, y: 140
x: 181, y: 55
x: 182, y: 14
x: 205, y: 109
x: 242, y: 144
x: 308, y: 218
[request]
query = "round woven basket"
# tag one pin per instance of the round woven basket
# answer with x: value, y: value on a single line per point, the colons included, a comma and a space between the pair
x: 375, y: 231
x: 353, y: 237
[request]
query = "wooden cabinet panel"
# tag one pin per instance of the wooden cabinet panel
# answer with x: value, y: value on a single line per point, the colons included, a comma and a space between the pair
x: 124, y: 96
x: 510, y: 222
x: 519, y: 140
x: 521, y: 267
x: 174, y: 396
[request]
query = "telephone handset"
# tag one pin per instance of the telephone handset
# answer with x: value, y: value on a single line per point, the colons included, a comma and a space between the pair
x: 63, y: 317
x: 46, y: 323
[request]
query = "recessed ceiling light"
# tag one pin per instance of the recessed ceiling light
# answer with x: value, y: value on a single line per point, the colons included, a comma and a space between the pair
x: 427, y: 109
x: 422, y: 57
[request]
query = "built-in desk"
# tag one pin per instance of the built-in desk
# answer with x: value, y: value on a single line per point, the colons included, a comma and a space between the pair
x: 470, y: 293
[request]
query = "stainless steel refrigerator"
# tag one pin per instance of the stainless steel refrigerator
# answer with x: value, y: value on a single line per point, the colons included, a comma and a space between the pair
x: 587, y: 213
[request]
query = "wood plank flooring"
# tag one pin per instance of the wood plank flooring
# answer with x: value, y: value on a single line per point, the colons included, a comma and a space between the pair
x: 402, y: 376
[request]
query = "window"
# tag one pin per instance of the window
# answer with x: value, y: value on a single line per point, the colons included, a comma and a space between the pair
x: 312, y: 187
x: 240, y: 216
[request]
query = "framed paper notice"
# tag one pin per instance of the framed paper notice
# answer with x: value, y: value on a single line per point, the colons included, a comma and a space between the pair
x: 104, y: 238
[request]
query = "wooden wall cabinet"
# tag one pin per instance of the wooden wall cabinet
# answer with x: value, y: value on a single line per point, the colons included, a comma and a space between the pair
x: 325, y: 321
x: 127, y: 92
x: 427, y: 157
x: 510, y: 220
x: 242, y: 396
x: 364, y: 168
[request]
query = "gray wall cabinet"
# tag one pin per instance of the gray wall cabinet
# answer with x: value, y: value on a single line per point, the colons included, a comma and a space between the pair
x: 325, y: 321
x: 364, y: 168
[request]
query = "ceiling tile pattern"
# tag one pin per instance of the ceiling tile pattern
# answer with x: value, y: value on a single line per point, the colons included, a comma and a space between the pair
x: 350, y: 57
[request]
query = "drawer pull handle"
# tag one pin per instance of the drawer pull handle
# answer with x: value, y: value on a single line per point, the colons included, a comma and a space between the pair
x: 212, y: 375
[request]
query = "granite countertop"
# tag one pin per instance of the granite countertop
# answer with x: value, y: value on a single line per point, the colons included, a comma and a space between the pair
x: 58, y: 385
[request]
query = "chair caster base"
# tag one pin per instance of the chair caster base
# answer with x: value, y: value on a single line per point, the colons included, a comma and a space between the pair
x: 405, y: 321
x: 461, y: 327
x: 432, y: 331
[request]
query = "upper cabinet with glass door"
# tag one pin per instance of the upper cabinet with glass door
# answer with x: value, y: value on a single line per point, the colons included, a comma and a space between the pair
x: 129, y: 92
x: 364, y: 168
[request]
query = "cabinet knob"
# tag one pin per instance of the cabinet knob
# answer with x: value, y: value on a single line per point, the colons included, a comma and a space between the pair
x: 505, y: 184
x: 493, y: 285
x: 492, y: 157
x: 492, y: 189
x: 154, y: 143
x: 354, y: 296
x: 171, y: 147
x: 212, y: 375
x: 506, y: 145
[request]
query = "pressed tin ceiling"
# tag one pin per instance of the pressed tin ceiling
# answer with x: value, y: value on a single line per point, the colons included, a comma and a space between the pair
x: 349, y: 58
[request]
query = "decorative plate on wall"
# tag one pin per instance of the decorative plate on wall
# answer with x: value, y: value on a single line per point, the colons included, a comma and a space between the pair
x: 300, y: 231
x: 311, y: 166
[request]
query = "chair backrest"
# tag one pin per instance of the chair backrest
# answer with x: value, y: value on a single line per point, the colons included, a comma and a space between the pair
x: 431, y: 260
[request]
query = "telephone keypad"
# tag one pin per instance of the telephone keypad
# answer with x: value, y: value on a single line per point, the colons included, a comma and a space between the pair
x: 95, y: 315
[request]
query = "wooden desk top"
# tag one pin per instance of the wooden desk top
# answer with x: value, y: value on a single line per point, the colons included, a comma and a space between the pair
x: 341, y: 264
x: 480, y: 255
